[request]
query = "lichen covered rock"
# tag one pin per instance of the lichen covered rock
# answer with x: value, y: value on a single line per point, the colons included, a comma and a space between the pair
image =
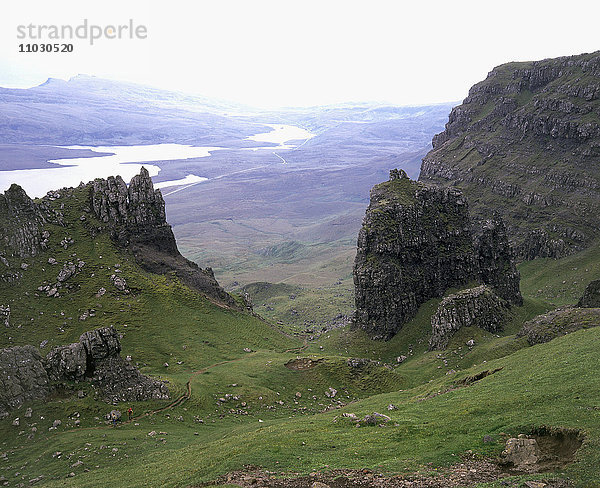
x: 474, y: 307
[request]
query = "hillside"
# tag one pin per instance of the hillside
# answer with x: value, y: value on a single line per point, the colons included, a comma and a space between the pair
x: 526, y: 143
x: 242, y: 393
x: 487, y: 377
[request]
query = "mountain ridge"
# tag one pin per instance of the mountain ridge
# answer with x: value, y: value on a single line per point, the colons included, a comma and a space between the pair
x: 525, y: 141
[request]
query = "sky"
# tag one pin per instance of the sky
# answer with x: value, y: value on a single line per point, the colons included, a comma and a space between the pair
x: 269, y: 53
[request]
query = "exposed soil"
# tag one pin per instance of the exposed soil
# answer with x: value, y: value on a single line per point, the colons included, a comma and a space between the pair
x: 557, y: 447
x: 469, y: 380
x: 465, y: 474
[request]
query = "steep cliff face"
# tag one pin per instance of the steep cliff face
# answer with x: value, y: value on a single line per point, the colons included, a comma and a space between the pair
x: 135, y: 217
x: 416, y: 242
x: 495, y: 260
x: 525, y: 142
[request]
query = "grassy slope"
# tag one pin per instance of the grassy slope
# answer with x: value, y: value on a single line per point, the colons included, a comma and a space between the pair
x: 161, y: 316
x: 563, y: 390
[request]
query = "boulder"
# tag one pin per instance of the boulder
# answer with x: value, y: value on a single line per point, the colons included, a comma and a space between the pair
x: 521, y: 453
x: 474, y: 307
x: 67, y: 362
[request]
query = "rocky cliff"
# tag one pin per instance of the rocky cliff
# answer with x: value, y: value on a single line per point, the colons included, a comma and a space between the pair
x: 416, y: 242
x: 135, y: 217
x: 525, y: 142
x: 22, y: 221
x: 25, y: 375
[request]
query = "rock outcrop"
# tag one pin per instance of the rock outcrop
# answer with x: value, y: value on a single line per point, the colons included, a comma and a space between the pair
x: 591, y: 296
x: 25, y: 375
x: 559, y: 322
x: 495, y: 261
x: 21, y: 225
x: 135, y: 217
x: 416, y: 242
x: 67, y: 362
x: 525, y: 143
x: 474, y: 307
x: 134, y: 214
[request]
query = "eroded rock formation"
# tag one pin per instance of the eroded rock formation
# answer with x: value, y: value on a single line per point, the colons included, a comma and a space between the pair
x: 22, y: 221
x: 591, y: 296
x: 416, y: 242
x: 25, y: 375
x: 474, y: 307
x: 135, y: 217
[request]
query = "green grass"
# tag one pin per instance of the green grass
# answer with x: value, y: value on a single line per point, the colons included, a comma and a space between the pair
x: 563, y: 281
x: 563, y: 390
x: 263, y: 421
x: 303, y: 309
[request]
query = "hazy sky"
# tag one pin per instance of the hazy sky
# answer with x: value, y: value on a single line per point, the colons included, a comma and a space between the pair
x: 288, y: 52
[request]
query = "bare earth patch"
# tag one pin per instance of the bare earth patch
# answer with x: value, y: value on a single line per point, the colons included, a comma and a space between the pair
x: 466, y: 474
